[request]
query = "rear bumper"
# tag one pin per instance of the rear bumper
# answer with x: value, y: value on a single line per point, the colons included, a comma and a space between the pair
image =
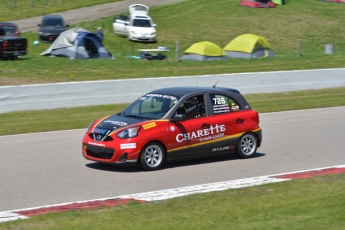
x: 13, y: 53
x: 259, y: 136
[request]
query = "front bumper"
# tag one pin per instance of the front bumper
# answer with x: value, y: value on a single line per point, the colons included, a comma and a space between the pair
x: 48, y: 38
x: 112, y: 152
x: 143, y: 38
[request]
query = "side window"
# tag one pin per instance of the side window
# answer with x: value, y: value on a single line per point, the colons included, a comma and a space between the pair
x: 193, y: 107
x: 223, y: 104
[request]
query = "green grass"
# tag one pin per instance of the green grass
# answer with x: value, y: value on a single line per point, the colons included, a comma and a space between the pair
x: 19, y: 9
x: 315, y: 23
x: 314, y: 203
x: 81, y: 117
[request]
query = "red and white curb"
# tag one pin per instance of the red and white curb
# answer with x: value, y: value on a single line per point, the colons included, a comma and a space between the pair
x: 168, y: 193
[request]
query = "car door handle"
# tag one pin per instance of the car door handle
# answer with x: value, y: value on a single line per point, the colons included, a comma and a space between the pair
x: 239, y: 120
x: 205, y: 126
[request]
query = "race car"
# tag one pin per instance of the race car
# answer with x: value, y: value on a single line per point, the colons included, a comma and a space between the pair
x: 175, y: 123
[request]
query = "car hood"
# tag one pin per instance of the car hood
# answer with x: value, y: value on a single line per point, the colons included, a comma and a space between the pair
x: 142, y: 30
x: 56, y: 30
x: 113, y: 123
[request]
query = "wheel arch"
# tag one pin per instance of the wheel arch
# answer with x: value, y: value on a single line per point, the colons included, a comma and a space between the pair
x: 157, y: 141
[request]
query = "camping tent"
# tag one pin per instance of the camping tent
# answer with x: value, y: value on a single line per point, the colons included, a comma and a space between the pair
x: 204, y: 51
x: 258, y: 3
x: 77, y: 43
x: 248, y: 46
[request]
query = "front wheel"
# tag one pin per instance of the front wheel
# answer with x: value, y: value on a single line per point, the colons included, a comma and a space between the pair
x: 152, y: 156
x: 247, y: 146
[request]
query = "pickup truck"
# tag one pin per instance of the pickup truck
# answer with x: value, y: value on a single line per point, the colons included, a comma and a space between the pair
x: 138, y: 26
x: 12, y: 46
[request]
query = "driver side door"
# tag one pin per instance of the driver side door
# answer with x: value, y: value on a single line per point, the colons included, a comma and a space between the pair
x: 191, y: 137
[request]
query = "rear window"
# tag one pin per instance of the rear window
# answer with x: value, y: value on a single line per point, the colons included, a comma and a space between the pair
x: 8, y: 30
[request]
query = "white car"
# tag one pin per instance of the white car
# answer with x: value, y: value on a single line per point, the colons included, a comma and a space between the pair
x: 138, y: 26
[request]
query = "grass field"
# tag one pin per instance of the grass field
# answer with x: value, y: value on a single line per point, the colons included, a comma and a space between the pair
x: 19, y: 9
x: 315, y: 23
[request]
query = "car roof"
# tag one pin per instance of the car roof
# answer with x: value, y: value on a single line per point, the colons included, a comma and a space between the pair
x: 52, y: 16
x: 183, y: 90
x: 7, y: 24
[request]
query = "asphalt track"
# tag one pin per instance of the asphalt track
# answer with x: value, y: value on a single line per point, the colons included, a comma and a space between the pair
x: 48, y: 168
x: 72, y: 94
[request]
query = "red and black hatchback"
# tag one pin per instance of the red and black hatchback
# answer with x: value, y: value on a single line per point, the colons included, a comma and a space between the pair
x: 174, y: 124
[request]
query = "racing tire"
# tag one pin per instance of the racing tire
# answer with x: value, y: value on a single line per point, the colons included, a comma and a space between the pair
x: 247, y: 146
x: 152, y: 156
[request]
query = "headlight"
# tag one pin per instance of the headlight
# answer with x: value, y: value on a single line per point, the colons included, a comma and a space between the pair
x: 133, y: 32
x: 128, y: 133
x: 154, y: 33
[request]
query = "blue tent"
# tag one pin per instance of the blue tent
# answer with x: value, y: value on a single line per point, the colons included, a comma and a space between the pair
x: 77, y: 43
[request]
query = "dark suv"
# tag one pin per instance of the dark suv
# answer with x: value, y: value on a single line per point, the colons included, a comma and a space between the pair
x: 9, y: 28
x: 51, y: 27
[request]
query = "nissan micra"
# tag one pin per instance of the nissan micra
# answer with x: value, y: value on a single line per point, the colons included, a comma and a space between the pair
x: 173, y: 124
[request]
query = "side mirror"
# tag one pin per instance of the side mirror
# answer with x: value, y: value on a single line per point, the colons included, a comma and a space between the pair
x: 67, y: 25
x: 126, y: 23
x: 39, y: 24
x: 154, y: 25
x: 179, y: 117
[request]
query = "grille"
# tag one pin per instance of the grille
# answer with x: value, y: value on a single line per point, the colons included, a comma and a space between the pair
x: 107, y: 138
x: 99, y: 152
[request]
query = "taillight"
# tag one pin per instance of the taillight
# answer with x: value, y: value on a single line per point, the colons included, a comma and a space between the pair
x: 4, y: 45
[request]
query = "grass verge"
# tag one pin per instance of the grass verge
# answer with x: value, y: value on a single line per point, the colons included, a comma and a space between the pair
x: 314, y: 203
x: 81, y: 117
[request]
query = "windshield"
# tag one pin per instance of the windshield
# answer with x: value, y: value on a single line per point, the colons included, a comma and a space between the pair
x: 141, y: 23
x: 150, y: 106
x: 53, y: 23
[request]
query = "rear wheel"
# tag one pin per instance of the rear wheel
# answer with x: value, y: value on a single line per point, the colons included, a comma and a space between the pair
x: 247, y: 146
x: 152, y: 156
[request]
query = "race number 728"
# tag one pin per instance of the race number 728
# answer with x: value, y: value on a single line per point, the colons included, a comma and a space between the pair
x: 219, y: 101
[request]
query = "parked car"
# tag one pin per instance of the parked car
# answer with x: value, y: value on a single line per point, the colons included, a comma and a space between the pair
x: 174, y: 124
x: 11, y: 45
x: 138, y: 26
x: 10, y: 28
x: 51, y: 27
